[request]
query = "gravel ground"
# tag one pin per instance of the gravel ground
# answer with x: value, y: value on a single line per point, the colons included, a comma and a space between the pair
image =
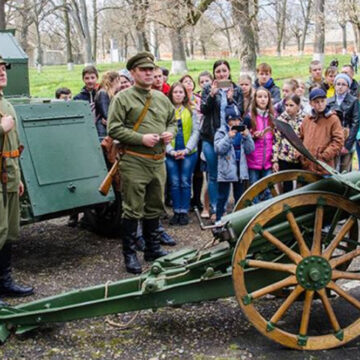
x: 55, y: 258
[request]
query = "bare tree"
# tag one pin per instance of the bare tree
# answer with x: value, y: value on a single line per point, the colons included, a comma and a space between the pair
x: 319, y: 42
x: 69, y: 53
x: 353, y: 11
x: 306, y: 6
x: 247, y: 49
x: 280, y: 16
x: 78, y: 12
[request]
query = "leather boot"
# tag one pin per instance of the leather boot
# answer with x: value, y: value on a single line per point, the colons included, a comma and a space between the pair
x: 165, y: 238
x: 129, y: 235
x: 152, y: 235
x: 7, y: 286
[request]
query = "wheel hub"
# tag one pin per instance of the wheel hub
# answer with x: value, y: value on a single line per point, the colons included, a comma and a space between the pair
x: 313, y: 273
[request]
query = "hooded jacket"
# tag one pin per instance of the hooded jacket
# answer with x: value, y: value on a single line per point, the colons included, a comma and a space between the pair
x: 274, y: 90
x: 228, y: 171
x: 348, y: 113
x: 323, y: 135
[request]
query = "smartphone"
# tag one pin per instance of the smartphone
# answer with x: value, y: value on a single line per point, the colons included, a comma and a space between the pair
x: 239, y: 128
x: 224, y: 84
x: 267, y: 129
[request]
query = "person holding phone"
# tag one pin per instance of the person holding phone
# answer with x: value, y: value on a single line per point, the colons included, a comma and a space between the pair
x: 214, y: 99
x: 232, y: 143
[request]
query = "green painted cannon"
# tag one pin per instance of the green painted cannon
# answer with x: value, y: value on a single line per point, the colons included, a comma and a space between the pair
x: 62, y: 162
x: 298, y: 245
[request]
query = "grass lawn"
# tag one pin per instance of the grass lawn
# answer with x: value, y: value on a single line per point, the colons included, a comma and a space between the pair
x: 53, y: 77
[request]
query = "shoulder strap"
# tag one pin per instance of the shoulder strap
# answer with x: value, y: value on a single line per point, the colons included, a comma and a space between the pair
x: 143, y: 112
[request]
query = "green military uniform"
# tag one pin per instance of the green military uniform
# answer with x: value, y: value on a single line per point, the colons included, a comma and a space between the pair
x: 142, y: 168
x: 143, y: 178
x: 9, y: 219
x: 9, y: 204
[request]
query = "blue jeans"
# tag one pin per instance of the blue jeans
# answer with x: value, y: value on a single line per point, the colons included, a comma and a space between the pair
x: 211, y: 168
x: 254, y: 176
x: 223, y: 195
x: 180, y: 173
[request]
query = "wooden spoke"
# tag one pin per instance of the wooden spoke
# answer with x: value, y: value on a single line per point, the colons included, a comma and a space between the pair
x: 306, y: 313
x: 336, y: 274
x: 292, y: 255
x: 319, y: 215
x: 344, y: 294
x: 344, y: 258
x: 291, y: 280
x: 291, y: 268
x: 304, y: 250
x: 286, y: 304
x: 329, y: 310
x: 274, y: 192
x: 339, y: 236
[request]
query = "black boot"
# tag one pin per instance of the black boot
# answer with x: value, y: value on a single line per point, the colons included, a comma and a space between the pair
x: 140, y: 243
x: 152, y: 235
x: 165, y: 238
x: 7, y: 285
x: 129, y: 236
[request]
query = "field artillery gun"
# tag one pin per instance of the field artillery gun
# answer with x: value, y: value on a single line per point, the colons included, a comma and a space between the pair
x: 62, y: 162
x: 302, y: 246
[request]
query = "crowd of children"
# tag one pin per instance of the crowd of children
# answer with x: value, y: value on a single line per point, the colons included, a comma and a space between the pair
x: 226, y: 129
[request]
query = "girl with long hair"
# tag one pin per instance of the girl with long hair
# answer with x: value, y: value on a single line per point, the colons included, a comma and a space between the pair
x: 181, y: 154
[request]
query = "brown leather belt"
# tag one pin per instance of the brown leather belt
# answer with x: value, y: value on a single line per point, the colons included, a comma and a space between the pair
x: 10, y: 154
x: 145, y: 156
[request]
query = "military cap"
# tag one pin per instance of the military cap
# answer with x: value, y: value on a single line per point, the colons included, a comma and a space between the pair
x: 142, y: 59
x: 3, y: 62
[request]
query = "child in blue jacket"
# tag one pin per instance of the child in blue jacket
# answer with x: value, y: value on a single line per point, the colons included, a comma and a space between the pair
x: 231, y: 146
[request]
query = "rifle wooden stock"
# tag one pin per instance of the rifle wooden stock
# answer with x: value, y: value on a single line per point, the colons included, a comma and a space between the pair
x: 106, y: 184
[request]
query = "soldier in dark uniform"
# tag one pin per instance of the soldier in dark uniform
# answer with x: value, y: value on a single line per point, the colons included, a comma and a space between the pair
x: 142, y: 165
x: 10, y: 189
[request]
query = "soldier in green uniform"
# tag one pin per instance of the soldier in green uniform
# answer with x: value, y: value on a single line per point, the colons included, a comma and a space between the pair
x: 10, y: 189
x: 142, y: 166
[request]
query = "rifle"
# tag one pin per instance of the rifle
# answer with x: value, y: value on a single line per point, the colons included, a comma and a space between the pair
x: 107, y: 182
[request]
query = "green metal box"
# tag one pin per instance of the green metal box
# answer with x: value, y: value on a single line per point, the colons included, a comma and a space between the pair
x: 18, y: 75
x: 62, y: 163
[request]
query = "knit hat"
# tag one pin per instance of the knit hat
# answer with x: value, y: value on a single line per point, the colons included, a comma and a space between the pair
x: 232, y: 113
x: 344, y: 77
x: 317, y: 93
x: 126, y: 73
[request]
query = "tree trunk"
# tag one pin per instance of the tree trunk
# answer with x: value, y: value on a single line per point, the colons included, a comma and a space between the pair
x: 356, y: 29
x: 203, y: 48
x: 69, y: 54
x: 306, y: 25
x: 192, y: 43
x: 247, y: 49
x: 154, y: 40
x: 95, y: 29
x: 344, y: 38
x: 2, y: 15
x: 298, y: 41
x: 39, y: 58
x: 178, y: 64
x: 280, y: 24
x: 319, y: 42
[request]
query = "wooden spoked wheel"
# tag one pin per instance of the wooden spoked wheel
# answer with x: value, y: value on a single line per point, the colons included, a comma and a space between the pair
x: 310, y: 270
x: 269, y: 182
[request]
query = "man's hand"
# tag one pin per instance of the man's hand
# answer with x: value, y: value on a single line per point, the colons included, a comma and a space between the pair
x: 21, y: 188
x: 275, y: 167
x: 150, y: 140
x: 166, y: 137
x: 214, y: 88
x: 344, y: 151
x: 180, y: 155
x: 7, y: 122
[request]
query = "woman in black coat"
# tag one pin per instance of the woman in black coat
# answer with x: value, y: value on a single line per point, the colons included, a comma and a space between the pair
x: 214, y: 99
